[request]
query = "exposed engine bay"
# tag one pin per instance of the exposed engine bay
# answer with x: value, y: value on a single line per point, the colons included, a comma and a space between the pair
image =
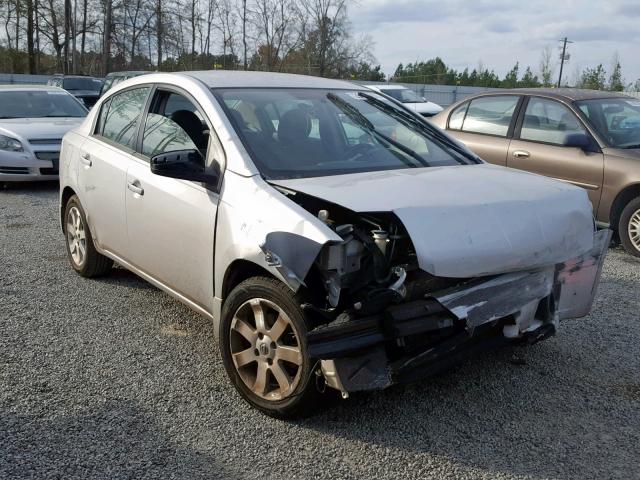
x: 381, y: 319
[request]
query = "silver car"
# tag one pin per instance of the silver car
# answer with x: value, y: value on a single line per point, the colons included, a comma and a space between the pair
x: 33, y: 120
x: 337, y: 241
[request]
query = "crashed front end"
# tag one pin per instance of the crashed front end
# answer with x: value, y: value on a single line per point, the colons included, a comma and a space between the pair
x: 396, y: 308
x: 421, y: 336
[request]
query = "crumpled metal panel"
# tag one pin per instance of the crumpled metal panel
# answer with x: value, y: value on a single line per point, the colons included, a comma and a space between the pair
x: 498, y: 297
x: 578, y: 278
x: 470, y: 221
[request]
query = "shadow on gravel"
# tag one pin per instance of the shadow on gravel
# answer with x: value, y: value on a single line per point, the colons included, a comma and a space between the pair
x: 123, y: 277
x: 481, y: 414
x: 124, y: 442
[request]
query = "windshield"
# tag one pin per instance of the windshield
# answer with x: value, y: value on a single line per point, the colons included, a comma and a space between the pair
x: 92, y: 84
x: 295, y: 133
x: 617, y: 120
x: 403, y: 95
x: 38, y: 104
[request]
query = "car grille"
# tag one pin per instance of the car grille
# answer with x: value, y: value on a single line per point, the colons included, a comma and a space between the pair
x: 15, y: 170
x: 49, y: 171
x: 47, y: 155
x: 45, y: 141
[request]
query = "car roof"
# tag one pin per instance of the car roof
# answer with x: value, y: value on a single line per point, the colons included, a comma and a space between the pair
x: 389, y: 87
x: 568, y: 94
x: 27, y: 88
x: 127, y: 72
x: 242, y: 79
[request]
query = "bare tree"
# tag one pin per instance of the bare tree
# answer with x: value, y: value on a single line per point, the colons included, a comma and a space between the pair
x: 546, y: 67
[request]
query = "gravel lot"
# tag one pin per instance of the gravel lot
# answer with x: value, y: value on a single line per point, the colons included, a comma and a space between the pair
x: 112, y: 378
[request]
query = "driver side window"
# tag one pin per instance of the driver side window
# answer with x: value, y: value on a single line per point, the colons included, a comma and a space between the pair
x: 173, y: 124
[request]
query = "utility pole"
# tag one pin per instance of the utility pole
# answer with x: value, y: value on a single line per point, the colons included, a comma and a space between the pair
x: 563, y: 57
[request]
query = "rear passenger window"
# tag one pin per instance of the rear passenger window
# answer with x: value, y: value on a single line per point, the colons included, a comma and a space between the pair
x: 490, y: 115
x: 455, y: 121
x: 548, y: 121
x: 123, y: 114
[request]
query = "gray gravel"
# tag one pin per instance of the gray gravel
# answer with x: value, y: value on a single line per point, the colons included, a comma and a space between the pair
x: 112, y: 378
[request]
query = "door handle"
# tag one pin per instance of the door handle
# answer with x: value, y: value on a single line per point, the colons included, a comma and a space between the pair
x: 521, y: 154
x: 135, y: 187
x: 86, y: 159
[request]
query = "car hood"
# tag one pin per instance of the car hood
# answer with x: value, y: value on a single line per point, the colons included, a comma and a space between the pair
x: 469, y: 221
x: 424, y: 107
x: 39, y: 127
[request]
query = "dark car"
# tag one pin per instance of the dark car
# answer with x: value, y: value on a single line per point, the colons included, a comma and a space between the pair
x: 84, y: 88
x: 114, y: 78
x: 589, y: 138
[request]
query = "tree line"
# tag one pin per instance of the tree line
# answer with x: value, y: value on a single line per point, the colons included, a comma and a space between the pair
x: 435, y: 71
x: 98, y: 36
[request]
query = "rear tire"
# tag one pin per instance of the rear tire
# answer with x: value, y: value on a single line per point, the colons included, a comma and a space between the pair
x: 629, y: 227
x: 261, y: 322
x: 83, y: 256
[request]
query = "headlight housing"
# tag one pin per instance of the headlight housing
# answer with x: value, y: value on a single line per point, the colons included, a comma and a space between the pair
x: 9, y: 144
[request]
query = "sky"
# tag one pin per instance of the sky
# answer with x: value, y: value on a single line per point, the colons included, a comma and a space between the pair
x: 498, y: 33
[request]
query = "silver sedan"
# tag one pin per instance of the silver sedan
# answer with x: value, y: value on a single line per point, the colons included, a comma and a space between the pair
x: 33, y: 120
x: 336, y: 240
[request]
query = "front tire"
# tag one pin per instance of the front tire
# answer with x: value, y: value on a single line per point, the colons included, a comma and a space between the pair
x: 264, y: 350
x: 629, y: 227
x: 83, y: 256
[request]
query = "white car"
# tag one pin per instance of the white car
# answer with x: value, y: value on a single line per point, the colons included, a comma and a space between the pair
x: 337, y: 241
x: 33, y: 120
x: 409, y: 98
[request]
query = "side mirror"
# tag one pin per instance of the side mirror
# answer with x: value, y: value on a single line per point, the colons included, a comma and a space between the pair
x: 182, y: 164
x: 577, y: 140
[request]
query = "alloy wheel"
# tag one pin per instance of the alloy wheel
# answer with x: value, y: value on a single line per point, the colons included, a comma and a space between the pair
x: 265, y: 348
x: 76, y: 236
x: 634, y: 229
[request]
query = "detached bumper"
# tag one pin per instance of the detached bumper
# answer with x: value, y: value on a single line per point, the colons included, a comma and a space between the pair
x: 416, y: 339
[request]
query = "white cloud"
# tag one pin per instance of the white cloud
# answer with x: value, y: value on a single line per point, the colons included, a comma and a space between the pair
x: 500, y: 33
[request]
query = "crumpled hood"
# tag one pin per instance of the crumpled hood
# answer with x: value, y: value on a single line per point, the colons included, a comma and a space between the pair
x: 39, y: 127
x: 473, y: 220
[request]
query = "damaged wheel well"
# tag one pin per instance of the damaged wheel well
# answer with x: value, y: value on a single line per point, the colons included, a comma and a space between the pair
x: 239, y: 271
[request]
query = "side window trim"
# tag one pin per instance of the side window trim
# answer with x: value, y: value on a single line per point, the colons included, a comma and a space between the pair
x: 466, y: 108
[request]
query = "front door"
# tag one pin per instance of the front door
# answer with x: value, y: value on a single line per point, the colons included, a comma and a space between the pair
x: 170, y: 222
x: 538, y: 147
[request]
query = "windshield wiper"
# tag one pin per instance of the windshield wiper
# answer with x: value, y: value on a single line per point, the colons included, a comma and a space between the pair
x: 4, y: 117
x: 356, y: 116
x: 409, y: 117
x: 627, y: 147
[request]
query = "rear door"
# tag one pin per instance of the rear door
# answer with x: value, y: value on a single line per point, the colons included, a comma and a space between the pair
x: 538, y: 147
x: 171, y: 222
x: 104, y: 160
x: 485, y: 124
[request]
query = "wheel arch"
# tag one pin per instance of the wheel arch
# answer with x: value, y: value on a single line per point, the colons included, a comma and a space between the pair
x: 622, y: 199
x: 67, y: 193
x: 238, y: 271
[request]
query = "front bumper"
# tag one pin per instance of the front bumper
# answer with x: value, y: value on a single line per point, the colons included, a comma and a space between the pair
x: 26, y: 166
x: 416, y: 339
